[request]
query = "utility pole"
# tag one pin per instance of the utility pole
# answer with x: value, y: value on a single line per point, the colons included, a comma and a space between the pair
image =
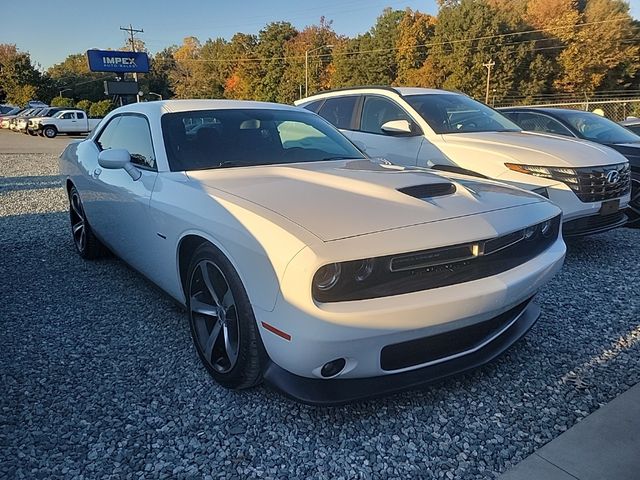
x: 132, y: 31
x: 488, y: 66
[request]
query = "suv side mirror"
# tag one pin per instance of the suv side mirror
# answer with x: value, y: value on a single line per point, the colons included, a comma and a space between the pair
x: 397, y: 127
x: 115, y: 158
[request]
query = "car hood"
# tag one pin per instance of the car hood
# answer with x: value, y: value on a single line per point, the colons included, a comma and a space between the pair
x: 531, y: 148
x: 341, y: 199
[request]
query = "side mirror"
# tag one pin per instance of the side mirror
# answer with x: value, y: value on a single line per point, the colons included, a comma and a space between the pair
x: 115, y: 158
x: 397, y: 127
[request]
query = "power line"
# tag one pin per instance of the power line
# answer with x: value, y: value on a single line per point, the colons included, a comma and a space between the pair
x: 423, y: 45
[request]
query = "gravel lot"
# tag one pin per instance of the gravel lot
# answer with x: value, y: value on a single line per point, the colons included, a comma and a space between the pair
x: 100, y: 379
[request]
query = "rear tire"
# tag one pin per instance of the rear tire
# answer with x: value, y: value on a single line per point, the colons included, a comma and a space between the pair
x: 86, y: 243
x: 222, y: 323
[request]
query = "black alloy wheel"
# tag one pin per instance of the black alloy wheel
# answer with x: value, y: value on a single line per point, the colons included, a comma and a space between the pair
x: 222, y: 323
x: 86, y: 243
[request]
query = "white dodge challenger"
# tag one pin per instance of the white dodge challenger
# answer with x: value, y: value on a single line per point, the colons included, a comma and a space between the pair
x: 302, y: 262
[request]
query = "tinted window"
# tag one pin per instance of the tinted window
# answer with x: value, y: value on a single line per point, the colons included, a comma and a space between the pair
x: 377, y: 111
x: 80, y: 115
x: 67, y: 116
x: 339, y: 111
x: 536, y: 122
x: 452, y: 113
x: 132, y: 133
x: 206, y: 139
x: 596, y: 128
x: 313, y: 106
x: 634, y: 128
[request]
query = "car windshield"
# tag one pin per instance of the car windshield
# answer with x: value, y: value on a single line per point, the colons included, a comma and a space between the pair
x: 205, y: 139
x: 596, y: 128
x: 453, y: 113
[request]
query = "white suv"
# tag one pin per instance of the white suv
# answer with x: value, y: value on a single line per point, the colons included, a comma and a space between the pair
x: 452, y: 132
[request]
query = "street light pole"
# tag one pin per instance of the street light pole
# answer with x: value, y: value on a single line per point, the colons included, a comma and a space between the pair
x: 64, y: 90
x: 488, y: 66
x: 306, y: 66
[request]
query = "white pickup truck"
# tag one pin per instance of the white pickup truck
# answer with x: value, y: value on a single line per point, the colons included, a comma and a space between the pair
x: 70, y: 121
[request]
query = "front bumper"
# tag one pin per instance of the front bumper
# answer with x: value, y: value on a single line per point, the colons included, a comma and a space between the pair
x: 336, y: 391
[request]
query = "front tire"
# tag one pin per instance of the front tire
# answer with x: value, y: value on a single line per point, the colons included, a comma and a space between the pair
x: 49, y: 132
x: 86, y: 243
x: 223, y: 327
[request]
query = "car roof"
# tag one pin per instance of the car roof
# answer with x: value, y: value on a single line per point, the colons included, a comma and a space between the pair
x: 550, y: 110
x: 161, y: 107
x: 402, y: 91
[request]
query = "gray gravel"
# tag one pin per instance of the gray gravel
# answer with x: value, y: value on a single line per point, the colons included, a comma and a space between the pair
x: 100, y: 379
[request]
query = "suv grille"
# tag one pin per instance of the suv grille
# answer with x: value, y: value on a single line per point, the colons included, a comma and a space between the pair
x: 595, y: 184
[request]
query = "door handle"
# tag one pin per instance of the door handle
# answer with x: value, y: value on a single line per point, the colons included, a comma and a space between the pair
x: 97, y: 172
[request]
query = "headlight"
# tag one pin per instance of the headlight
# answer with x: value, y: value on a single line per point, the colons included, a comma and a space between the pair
x: 561, y: 174
x: 546, y: 228
x: 327, y: 277
x: 433, y: 268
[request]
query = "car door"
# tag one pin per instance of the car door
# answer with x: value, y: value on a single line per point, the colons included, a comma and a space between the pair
x: 81, y: 122
x: 117, y: 206
x: 68, y: 123
x: 400, y: 149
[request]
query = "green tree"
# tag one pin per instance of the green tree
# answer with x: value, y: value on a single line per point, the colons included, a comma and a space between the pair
x: 20, y: 81
x: 318, y: 40
x: 84, y: 105
x: 101, y: 108
x: 269, y: 68
x: 73, y: 73
x: 62, y: 102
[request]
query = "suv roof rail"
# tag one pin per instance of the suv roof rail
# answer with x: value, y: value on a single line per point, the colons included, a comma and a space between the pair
x: 359, y: 87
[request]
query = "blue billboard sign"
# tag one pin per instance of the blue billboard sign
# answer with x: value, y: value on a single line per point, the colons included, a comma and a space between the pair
x: 117, y: 62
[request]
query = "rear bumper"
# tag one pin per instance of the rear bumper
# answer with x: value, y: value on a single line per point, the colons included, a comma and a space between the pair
x: 315, y: 391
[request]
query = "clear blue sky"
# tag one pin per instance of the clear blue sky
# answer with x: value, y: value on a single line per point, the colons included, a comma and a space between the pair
x: 50, y: 31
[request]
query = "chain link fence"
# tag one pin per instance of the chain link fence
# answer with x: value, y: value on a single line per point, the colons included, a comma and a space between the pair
x: 616, y: 109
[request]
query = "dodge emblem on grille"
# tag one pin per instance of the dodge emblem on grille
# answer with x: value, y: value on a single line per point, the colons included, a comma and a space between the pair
x: 613, y: 176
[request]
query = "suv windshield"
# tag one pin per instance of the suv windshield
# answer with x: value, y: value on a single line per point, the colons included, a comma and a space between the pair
x: 596, y: 128
x: 198, y: 140
x: 454, y: 113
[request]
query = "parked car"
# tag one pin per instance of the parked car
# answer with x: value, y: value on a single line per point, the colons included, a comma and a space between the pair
x: 8, y: 110
x: 32, y: 122
x: 452, y: 132
x: 70, y: 121
x: 13, y: 122
x: 300, y: 260
x: 24, y: 122
x: 5, y: 118
x: 591, y: 127
x: 632, y: 124
x: 36, y: 104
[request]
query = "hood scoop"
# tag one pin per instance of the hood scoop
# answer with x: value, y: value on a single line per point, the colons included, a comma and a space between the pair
x: 429, y: 190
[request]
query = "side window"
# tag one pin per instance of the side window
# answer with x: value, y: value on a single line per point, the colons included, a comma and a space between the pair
x: 68, y: 116
x: 313, y: 106
x: 377, y: 111
x: 80, y: 115
x: 541, y: 123
x: 339, y: 111
x: 132, y: 133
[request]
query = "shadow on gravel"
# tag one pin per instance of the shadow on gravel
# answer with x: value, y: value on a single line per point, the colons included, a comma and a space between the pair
x: 8, y: 184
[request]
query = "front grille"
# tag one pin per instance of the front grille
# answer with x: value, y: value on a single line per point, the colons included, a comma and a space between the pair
x: 590, y: 184
x: 447, y: 344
